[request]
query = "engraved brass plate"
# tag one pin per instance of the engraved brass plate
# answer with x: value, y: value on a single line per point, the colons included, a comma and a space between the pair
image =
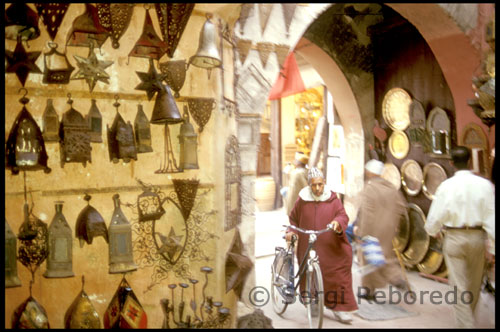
x: 399, y: 145
x: 418, y: 243
x: 411, y: 177
x: 403, y: 235
x: 434, y: 174
x: 391, y: 174
x: 432, y: 260
x: 396, y: 108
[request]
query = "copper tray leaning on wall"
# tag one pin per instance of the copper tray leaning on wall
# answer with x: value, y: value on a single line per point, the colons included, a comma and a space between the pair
x: 434, y: 174
x: 411, y: 177
x: 433, y: 259
x: 399, y: 144
x: 391, y: 174
x: 418, y: 244
x: 403, y: 235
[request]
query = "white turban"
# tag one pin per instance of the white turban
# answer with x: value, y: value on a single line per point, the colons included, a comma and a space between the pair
x: 375, y: 166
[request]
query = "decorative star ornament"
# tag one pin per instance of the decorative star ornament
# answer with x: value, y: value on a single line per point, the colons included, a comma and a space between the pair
x: 151, y: 82
x: 22, y: 63
x: 91, y: 69
x: 171, y: 244
x: 237, y: 267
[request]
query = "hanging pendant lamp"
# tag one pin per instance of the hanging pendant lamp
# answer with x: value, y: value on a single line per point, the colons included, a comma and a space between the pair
x: 21, y: 21
x: 149, y: 45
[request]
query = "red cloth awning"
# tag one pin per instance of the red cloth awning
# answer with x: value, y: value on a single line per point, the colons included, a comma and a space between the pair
x: 289, y: 81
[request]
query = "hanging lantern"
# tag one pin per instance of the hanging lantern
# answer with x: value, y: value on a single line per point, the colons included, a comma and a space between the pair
x: 175, y: 74
x: 149, y: 45
x: 201, y: 110
x: 94, y: 120
x: 165, y: 110
x: 149, y: 206
x: 188, y: 140
x: 50, y: 123
x: 207, y: 56
x: 121, y: 144
x: 142, y: 131
x: 115, y: 17
x: 173, y: 18
x: 25, y: 148
x: 75, y: 137
x: 11, y: 278
x: 52, y: 15
x: 60, y: 259
x: 81, y: 314
x: 87, y: 29
x: 91, y: 69
x: 125, y: 311
x: 120, y: 241
x: 21, y: 20
x: 30, y: 315
x: 90, y: 224
x: 57, y: 68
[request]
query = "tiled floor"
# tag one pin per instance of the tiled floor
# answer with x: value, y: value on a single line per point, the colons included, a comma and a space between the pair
x: 428, y: 315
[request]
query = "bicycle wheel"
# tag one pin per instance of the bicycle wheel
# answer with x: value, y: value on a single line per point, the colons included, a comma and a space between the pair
x: 279, y: 302
x: 314, y: 300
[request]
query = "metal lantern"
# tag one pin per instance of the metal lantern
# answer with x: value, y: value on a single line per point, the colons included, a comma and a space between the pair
x: 207, y: 56
x: 11, y: 278
x: 90, y: 224
x: 175, y: 74
x: 87, y: 29
x: 94, y: 120
x: 142, y: 131
x: 21, y: 20
x: 149, y: 45
x: 125, y: 311
x: 75, y: 137
x: 165, y: 110
x: 50, y: 123
x: 121, y: 144
x: 52, y: 15
x: 121, y: 259
x: 30, y: 315
x: 60, y: 260
x: 188, y: 140
x: 149, y: 206
x: 25, y: 148
x: 57, y: 68
x: 81, y: 314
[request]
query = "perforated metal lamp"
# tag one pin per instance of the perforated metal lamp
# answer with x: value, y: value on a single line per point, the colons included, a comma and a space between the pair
x: 188, y: 140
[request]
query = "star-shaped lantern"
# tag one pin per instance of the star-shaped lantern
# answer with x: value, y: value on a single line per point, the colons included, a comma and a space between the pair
x: 151, y: 82
x: 91, y: 69
x: 171, y: 244
x: 22, y: 63
x: 237, y: 266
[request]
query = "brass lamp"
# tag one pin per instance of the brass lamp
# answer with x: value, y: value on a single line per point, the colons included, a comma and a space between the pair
x: 189, y: 145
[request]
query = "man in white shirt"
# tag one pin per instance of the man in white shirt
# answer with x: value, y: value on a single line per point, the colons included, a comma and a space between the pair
x: 464, y: 205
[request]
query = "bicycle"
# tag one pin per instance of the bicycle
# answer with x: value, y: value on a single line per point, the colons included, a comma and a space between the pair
x: 282, y: 293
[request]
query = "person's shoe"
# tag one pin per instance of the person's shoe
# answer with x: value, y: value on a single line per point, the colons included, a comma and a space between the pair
x: 342, y: 316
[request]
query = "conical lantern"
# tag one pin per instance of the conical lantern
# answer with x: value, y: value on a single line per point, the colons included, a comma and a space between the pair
x: 121, y: 143
x: 52, y: 15
x: 165, y: 110
x: 142, y: 131
x: 125, y: 310
x: 87, y: 29
x: 94, y: 120
x: 57, y: 68
x: 30, y: 315
x: 21, y: 20
x: 90, y: 224
x: 81, y: 314
x: 25, y: 148
x: 188, y: 140
x: 149, y: 45
x: 60, y: 260
x: 50, y: 123
x: 207, y: 56
x: 11, y: 278
x: 120, y: 241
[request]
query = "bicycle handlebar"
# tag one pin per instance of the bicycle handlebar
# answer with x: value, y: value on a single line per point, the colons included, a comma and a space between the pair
x: 329, y: 227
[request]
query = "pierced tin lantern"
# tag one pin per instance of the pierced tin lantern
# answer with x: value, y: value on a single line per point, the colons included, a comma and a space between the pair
x: 149, y: 45
x: 81, y: 314
x: 50, y: 123
x: 188, y: 140
x: 75, y: 137
x: 90, y: 224
x: 149, y: 206
x: 175, y: 74
x: 121, y: 144
x: 52, y: 15
x: 87, y: 29
x: 30, y: 315
x: 142, y: 131
x: 60, y: 259
x: 94, y: 120
x: 21, y: 21
x: 57, y: 69
x: 125, y: 311
x: 201, y: 110
x: 207, y: 56
x: 11, y: 278
x: 115, y: 17
x: 121, y: 259
x: 25, y: 148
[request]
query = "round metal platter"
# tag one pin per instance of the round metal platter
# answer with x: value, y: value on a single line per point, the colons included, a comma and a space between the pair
x: 432, y: 260
x: 434, y: 174
x: 391, y: 174
x: 419, y: 240
x: 396, y: 108
x: 411, y: 177
x: 402, y: 236
x: 399, y: 145
x: 442, y: 271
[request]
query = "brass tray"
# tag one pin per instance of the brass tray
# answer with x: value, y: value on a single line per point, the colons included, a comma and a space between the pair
x: 396, y: 108
x: 399, y: 145
x: 442, y: 271
x: 391, y: 174
x: 411, y: 177
x: 434, y: 174
x: 419, y: 240
x: 433, y: 259
x: 402, y: 236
